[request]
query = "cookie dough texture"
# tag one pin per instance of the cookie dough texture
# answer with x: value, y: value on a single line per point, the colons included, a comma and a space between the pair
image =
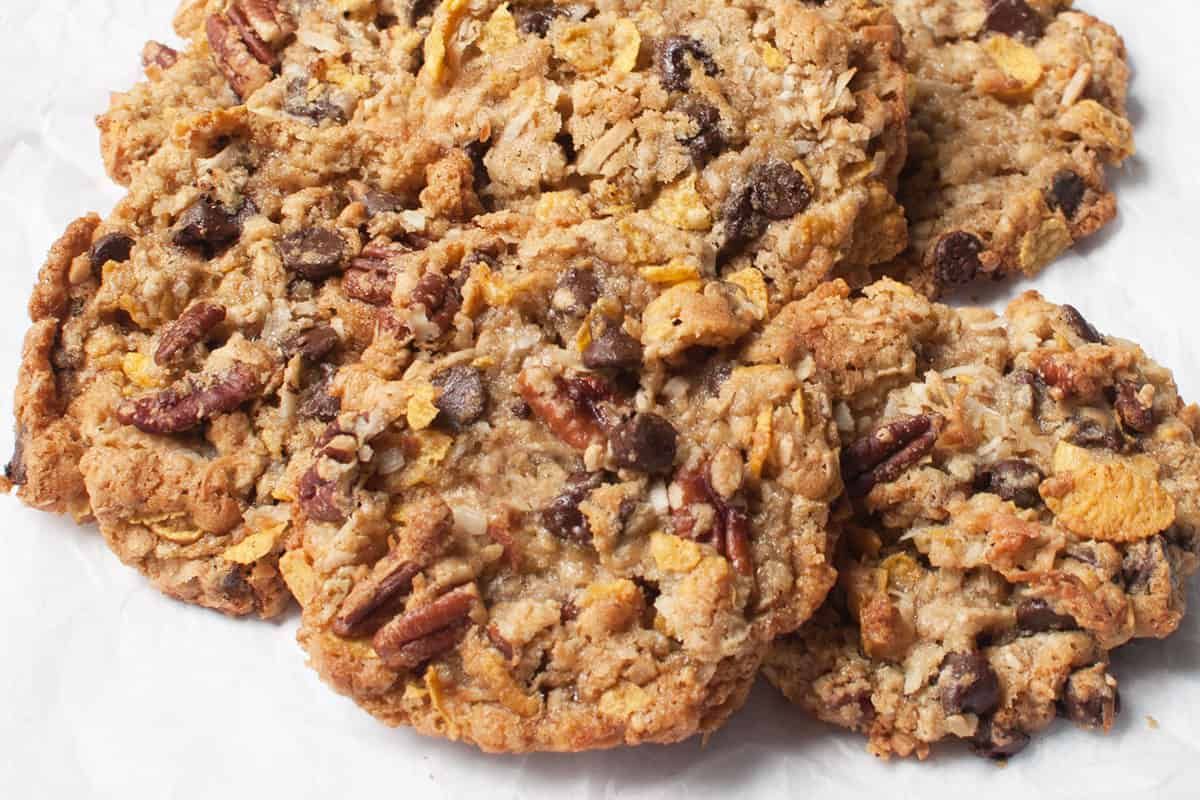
x: 1023, y: 499
x: 1018, y: 107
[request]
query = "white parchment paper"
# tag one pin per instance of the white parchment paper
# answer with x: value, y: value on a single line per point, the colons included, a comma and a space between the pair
x: 109, y: 690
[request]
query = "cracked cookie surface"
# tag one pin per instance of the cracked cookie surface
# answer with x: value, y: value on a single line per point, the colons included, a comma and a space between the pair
x: 1022, y: 500
x: 1018, y: 108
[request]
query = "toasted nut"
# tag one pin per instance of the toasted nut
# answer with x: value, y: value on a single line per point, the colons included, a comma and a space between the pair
x: 424, y: 633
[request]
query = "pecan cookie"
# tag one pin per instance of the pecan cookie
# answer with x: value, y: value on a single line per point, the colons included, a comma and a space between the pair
x: 557, y: 511
x: 1022, y: 499
x: 286, y: 166
x: 1018, y: 107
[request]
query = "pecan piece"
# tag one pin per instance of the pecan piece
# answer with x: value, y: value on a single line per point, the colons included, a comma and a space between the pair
x: 729, y: 532
x: 314, y: 344
x: 577, y: 410
x: 159, y: 55
x: 190, y: 328
x: 323, y: 491
x: 882, y: 455
x: 390, y: 581
x: 424, y: 633
x: 440, y: 297
x: 245, y: 73
x: 1135, y: 413
x: 182, y: 408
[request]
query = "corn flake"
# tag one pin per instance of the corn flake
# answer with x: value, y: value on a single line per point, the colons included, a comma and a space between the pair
x: 680, y: 206
x: 1020, y: 64
x: 1115, y: 501
x: 422, y: 408
x: 673, y: 554
x: 299, y: 576
x: 500, y: 32
x: 254, y: 546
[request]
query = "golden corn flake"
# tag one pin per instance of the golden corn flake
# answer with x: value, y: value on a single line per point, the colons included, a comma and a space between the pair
x: 678, y: 271
x: 437, y: 698
x: 1020, y: 64
x: 624, y: 700
x: 344, y: 77
x: 254, y: 546
x: 141, y: 370
x: 487, y: 666
x: 500, y: 32
x: 673, y: 554
x: 564, y: 208
x: 772, y: 57
x: 1099, y: 128
x: 445, y: 24
x: 1115, y: 501
x: 433, y: 447
x: 899, y: 571
x: 422, y: 408
x: 680, y: 205
x: 300, y: 577
x: 760, y: 448
x: 1043, y: 244
x: 178, y: 536
x: 622, y: 592
x: 485, y: 288
x: 627, y: 43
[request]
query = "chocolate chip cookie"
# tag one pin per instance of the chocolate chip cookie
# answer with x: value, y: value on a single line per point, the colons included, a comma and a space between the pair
x: 1018, y: 107
x: 1022, y: 499
x: 286, y: 167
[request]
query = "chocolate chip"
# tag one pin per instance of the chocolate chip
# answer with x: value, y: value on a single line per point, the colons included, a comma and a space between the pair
x: 714, y: 375
x: 1134, y: 414
x: 743, y: 223
x: 673, y: 63
x: 317, y: 400
x: 1142, y: 562
x: 1014, y: 480
x: 462, y: 399
x: 1090, y: 700
x: 646, y: 442
x: 312, y: 253
x: 563, y: 517
x: 1037, y: 616
x: 111, y: 247
x: 536, y: 21
x: 576, y: 292
x: 956, y: 258
x: 192, y: 326
x: 613, y: 349
x: 299, y: 103
x: 1080, y: 325
x: 15, y: 470
x: 997, y: 743
x: 779, y: 191
x: 1091, y: 434
x: 968, y: 684
x: 1066, y: 193
x: 313, y: 344
x: 206, y: 224
x: 708, y: 141
x: 420, y: 9
x: 1014, y: 18
x: 377, y: 202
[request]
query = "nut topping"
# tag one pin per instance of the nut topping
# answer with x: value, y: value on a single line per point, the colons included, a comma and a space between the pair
x: 189, y: 329
x: 424, y: 633
x: 882, y: 455
x: 182, y: 408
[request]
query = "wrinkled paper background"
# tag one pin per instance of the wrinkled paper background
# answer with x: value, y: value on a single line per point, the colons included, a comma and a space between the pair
x: 107, y: 689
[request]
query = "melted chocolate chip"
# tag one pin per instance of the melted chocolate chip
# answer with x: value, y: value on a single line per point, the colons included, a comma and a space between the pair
x: 779, y: 191
x: 613, y: 349
x: 1066, y: 193
x: 968, y: 684
x: 1037, y: 616
x: 1013, y: 480
x: 111, y: 247
x: 956, y: 258
x: 563, y: 517
x: 646, y: 442
x: 312, y: 253
x: 463, y: 397
x: 673, y: 62
x: 206, y: 224
x: 1014, y: 18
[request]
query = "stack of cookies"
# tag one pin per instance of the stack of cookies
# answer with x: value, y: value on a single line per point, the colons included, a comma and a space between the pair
x: 569, y: 363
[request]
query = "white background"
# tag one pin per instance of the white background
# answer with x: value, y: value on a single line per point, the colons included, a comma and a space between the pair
x: 109, y: 690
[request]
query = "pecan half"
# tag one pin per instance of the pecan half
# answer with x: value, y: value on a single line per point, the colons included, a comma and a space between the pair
x: 182, y: 408
x: 424, y: 633
x: 882, y: 455
x: 729, y: 531
x: 190, y: 328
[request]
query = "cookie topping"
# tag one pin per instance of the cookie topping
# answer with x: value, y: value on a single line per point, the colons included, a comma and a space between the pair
x: 111, y: 247
x: 675, y: 57
x: 182, y: 408
x: 779, y: 191
x: 208, y: 225
x: 968, y: 684
x: 646, y: 442
x: 1066, y: 193
x: 1014, y: 18
x: 416, y: 636
x: 881, y: 456
x: 1014, y: 480
x: 956, y: 258
x: 613, y: 348
x: 462, y: 397
x: 192, y: 326
x: 312, y: 253
x: 563, y: 517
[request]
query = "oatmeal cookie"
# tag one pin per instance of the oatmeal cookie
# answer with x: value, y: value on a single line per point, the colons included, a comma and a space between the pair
x: 1022, y: 500
x: 1018, y: 106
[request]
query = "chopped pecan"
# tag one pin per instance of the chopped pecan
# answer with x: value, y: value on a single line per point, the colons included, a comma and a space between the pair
x: 390, y: 581
x: 424, y: 633
x: 439, y: 296
x: 577, y: 410
x: 729, y: 531
x: 882, y: 455
x: 265, y: 22
x: 1081, y: 326
x: 369, y: 281
x: 159, y: 55
x: 190, y: 328
x: 317, y: 401
x: 324, y: 489
x: 245, y: 73
x: 314, y: 343
x: 182, y: 408
x: 1135, y: 413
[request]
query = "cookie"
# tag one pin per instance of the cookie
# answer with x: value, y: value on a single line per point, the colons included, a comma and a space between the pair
x: 286, y: 166
x: 1022, y: 499
x: 1018, y: 108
